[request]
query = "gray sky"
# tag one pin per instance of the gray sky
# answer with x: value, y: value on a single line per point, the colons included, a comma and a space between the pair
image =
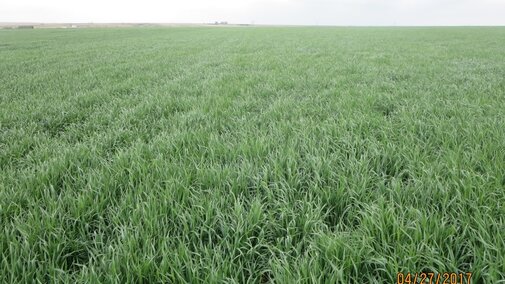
x: 296, y: 12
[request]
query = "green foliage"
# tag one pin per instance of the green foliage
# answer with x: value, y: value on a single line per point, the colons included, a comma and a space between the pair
x: 332, y: 155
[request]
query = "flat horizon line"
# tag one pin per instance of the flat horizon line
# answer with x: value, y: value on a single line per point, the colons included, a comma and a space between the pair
x: 221, y: 24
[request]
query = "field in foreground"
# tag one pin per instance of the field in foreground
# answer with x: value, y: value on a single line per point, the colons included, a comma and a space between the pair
x: 251, y: 154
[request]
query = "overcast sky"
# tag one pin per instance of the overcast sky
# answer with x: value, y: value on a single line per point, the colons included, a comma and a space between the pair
x: 295, y: 12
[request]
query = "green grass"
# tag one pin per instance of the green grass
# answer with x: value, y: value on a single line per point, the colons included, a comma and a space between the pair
x: 251, y: 154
